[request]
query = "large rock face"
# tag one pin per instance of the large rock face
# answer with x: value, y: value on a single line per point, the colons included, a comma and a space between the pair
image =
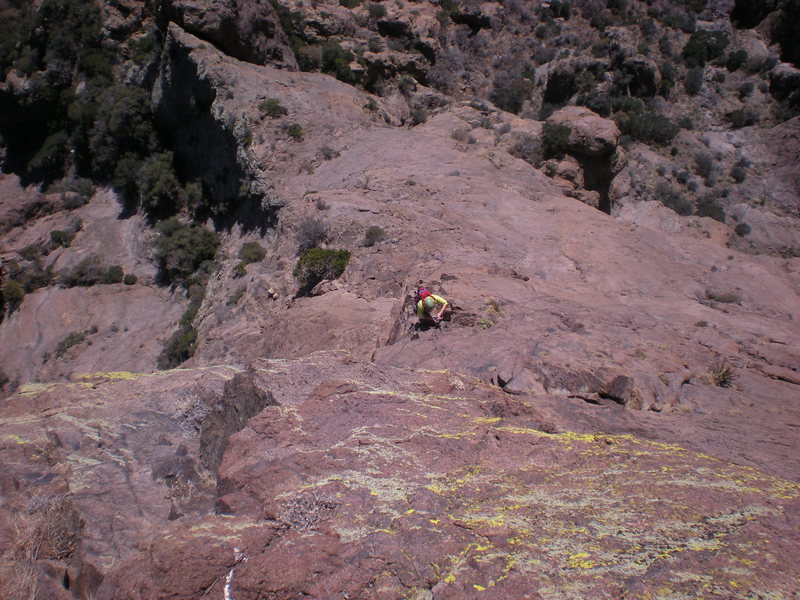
x: 368, y: 482
x: 611, y: 411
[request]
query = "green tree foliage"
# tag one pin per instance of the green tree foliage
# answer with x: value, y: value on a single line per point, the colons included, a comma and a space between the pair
x: 181, y: 250
x: 123, y: 129
x: 159, y: 187
x: 316, y: 264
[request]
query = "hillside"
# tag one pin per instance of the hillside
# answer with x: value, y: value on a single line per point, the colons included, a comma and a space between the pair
x: 606, y: 192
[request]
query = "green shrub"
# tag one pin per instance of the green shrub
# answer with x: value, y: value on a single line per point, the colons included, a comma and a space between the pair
x: 316, y: 264
x: 272, y: 107
x: 703, y: 164
x: 240, y: 270
x: 742, y: 229
x: 88, y: 272
x: 704, y: 46
x: 336, y: 61
x: 350, y: 3
x: 509, y: 94
x: 179, y: 348
x: 158, y: 185
x: 673, y: 199
x: 693, y: 81
x: 62, y: 238
x: 627, y: 104
x: 418, y: 116
x: 376, y: 11
x: 123, y: 126
x: 181, y: 250
x: 709, y: 206
x: 295, y: 131
x: 373, y: 235
x: 742, y: 117
x: 735, y: 60
x: 745, y: 89
x: 555, y: 139
x: 72, y: 339
x: 649, y: 127
x: 130, y: 279
x: 47, y: 164
x: 13, y: 295
x: 252, y: 252
x: 114, y: 274
x: 738, y: 174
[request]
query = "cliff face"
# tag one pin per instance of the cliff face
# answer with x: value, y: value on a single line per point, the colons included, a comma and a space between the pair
x: 611, y: 410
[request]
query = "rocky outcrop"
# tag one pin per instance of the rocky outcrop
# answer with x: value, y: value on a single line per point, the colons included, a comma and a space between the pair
x: 249, y: 31
x: 590, y: 134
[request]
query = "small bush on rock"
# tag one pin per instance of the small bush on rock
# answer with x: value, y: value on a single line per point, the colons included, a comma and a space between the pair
x: 373, y: 235
x: 13, y: 295
x: 742, y: 117
x: 272, y: 107
x: 62, y: 238
x: 709, y: 206
x: 673, y: 199
x: 252, y: 252
x: 648, y: 127
x: 310, y: 233
x: 555, y: 140
x: 130, y: 279
x: 316, y: 264
x: 114, y: 274
x: 693, y: 82
x: 180, y: 250
x: 88, y: 272
x: 735, y: 60
x: 295, y: 131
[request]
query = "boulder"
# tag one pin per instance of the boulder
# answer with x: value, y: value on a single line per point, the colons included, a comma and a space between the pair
x: 644, y: 76
x: 590, y: 134
x: 784, y: 84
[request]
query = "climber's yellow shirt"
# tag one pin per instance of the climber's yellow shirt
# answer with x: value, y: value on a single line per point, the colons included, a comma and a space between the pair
x: 421, y: 308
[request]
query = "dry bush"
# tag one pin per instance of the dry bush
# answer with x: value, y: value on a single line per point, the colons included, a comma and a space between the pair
x: 49, y: 528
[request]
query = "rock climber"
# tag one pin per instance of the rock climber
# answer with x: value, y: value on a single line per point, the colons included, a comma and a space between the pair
x: 430, y: 308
